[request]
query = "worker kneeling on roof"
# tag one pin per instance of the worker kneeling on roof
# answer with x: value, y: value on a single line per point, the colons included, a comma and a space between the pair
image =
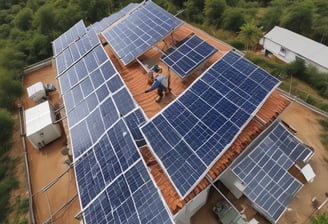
x: 161, y: 83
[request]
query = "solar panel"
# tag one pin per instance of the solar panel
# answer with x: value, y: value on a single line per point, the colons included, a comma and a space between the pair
x: 130, y: 198
x: 93, y: 66
x: 204, y: 121
x: 188, y: 56
x: 264, y: 171
x: 74, y: 33
x: 105, y: 22
x: 77, y: 49
x: 144, y: 27
x: 133, y: 121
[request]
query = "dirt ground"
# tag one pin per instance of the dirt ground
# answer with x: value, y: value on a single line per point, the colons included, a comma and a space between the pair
x: 306, y: 123
x: 54, y: 191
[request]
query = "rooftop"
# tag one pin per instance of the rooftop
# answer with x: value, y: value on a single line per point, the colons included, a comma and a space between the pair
x: 134, y: 74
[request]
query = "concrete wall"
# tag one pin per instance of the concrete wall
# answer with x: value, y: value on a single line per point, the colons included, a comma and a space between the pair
x: 232, y: 183
x: 185, y: 214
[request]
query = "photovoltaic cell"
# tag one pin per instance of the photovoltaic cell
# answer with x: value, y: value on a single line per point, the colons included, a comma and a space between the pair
x: 76, y: 50
x: 205, y: 120
x: 74, y: 33
x: 130, y: 198
x: 113, y: 183
x: 143, y: 28
x: 188, y: 56
x: 264, y: 171
x: 106, y: 22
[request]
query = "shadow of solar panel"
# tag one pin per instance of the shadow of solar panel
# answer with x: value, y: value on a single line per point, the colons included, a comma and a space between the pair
x: 147, y: 24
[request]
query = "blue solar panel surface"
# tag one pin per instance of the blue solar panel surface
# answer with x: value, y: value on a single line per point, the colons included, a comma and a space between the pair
x: 134, y: 120
x: 113, y: 182
x: 194, y: 131
x: 188, y: 56
x: 135, y: 34
x: 104, y: 23
x: 130, y: 198
x: 265, y: 171
x: 74, y: 33
x: 76, y: 50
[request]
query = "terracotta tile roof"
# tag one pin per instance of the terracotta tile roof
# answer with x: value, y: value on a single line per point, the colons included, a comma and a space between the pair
x: 136, y: 79
x: 271, y: 109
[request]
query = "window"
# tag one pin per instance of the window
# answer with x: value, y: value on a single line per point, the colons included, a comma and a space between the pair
x: 282, y: 51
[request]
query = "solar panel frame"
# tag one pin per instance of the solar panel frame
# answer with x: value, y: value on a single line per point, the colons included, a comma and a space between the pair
x: 188, y: 56
x: 267, y: 166
x: 64, y: 40
x: 203, y: 131
x: 135, y: 34
x: 106, y: 22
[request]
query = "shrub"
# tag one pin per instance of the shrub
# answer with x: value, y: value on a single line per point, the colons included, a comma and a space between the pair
x: 6, y: 126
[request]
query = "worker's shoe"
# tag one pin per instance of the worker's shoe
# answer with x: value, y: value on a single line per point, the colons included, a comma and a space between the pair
x: 159, y: 99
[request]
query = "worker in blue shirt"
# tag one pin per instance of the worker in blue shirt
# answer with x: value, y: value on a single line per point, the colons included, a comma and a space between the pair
x: 161, y: 83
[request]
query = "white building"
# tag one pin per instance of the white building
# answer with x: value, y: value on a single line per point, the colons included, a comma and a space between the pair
x: 287, y: 46
x: 40, y: 126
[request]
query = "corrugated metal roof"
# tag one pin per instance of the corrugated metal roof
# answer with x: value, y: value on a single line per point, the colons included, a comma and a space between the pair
x: 303, y: 46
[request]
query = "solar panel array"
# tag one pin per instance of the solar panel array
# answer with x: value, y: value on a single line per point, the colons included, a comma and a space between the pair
x: 144, y: 27
x: 188, y: 56
x: 74, y: 33
x: 105, y: 22
x: 76, y: 50
x: 264, y: 171
x: 194, y: 131
x: 113, y: 182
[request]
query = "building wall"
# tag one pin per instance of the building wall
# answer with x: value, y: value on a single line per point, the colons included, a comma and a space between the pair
x: 279, y: 51
x: 232, y: 183
x: 284, y: 54
x: 185, y: 214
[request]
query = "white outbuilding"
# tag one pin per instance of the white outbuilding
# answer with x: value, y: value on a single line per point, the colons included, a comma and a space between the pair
x: 288, y: 46
x: 40, y: 126
x: 36, y: 92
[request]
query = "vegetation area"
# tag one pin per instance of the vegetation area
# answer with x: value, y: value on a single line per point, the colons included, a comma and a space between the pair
x: 320, y: 218
x: 28, y: 27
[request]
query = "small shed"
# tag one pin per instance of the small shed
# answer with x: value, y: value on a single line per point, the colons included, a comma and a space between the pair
x: 287, y: 46
x: 36, y: 92
x: 40, y: 126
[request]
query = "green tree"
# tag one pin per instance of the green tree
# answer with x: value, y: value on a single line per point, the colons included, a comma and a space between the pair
x: 94, y: 10
x: 10, y: 90
x: 299, y: 17
x: 11, y: 59
x: 232, y: 3
x: 233, y: 19
x: 23, y: 19
x: 250, y: 34
x: 193, y: 12
x: 320, y: 218
x: 44, y: 19
x: 6, y: 126
x: 213, y: 11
